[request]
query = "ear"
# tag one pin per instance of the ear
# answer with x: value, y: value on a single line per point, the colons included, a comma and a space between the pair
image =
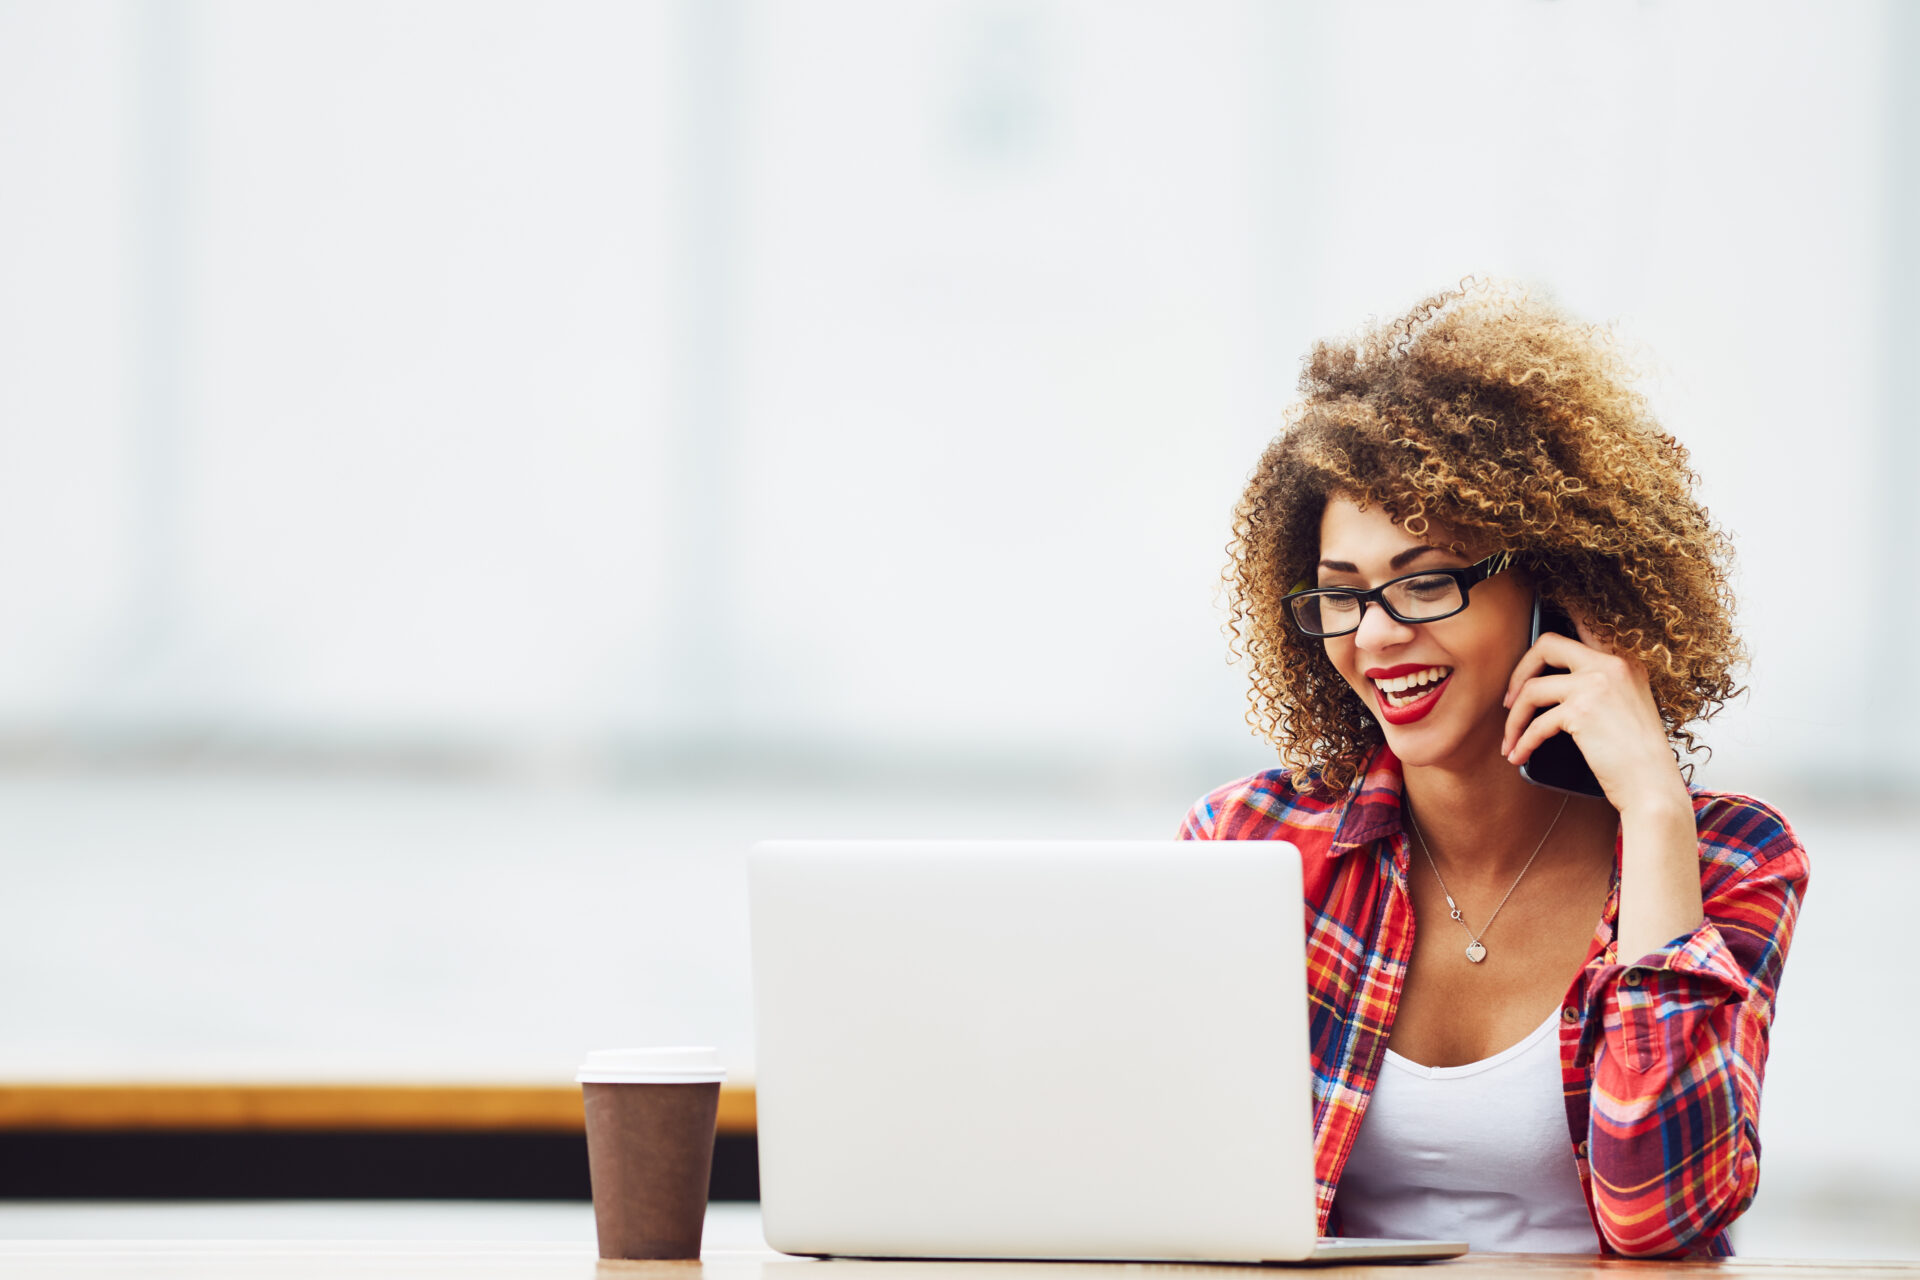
x: 1587, y: 634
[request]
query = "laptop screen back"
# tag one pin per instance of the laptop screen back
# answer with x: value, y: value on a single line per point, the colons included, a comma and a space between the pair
x: 1032, y: 1049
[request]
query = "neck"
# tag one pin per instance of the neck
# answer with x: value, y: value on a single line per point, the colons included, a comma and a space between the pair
x: 1483, y: 820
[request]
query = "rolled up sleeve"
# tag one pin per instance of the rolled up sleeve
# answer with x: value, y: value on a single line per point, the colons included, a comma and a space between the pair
x: 1677, y: 1044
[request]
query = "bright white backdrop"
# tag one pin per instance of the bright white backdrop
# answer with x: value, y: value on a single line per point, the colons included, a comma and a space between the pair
x: 463, y: 460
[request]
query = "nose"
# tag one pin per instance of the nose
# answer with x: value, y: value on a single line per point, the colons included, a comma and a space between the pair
x: 1380, y: 629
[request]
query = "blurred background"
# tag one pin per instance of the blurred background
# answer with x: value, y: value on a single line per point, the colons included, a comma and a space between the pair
x: 468, y: 468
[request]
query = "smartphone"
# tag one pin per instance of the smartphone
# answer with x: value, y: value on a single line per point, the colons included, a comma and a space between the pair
x: 1557, y: 762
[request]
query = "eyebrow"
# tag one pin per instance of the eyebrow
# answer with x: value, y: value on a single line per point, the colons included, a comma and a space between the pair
x: 1400, y: 561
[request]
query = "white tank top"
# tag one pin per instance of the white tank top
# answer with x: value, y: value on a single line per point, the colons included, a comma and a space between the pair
x: 1477, y: 1153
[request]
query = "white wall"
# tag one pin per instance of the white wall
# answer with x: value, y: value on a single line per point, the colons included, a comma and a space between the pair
x: 861, y: 378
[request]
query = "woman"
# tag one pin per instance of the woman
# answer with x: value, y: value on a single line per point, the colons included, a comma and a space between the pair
x: 1539, y: 1018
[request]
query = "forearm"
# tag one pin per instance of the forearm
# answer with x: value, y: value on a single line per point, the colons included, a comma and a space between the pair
x: 1676, y: 1029
x: 1673, y: 1155
x: 1675, y: 1095
x: 1659, y: 875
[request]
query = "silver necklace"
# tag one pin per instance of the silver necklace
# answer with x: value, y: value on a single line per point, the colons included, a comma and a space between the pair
x: 1476, y: 950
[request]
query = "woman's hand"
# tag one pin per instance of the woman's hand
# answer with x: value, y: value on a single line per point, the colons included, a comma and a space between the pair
x: 1605, y: 703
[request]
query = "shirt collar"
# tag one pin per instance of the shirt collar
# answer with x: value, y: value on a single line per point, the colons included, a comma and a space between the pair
x: 1373, y: 804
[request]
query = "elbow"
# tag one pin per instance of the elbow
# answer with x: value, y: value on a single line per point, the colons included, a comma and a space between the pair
x: 1684, y: 1215
x: 1661, y: 1246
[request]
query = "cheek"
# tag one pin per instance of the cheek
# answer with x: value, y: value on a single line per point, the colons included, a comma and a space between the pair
x: 1340, y: 653
x: 1490, y: 652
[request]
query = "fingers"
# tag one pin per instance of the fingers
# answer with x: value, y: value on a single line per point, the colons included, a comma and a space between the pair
x: 1538, y: 692
x: 1549, y: 723
x: 1550, y: 650
x: 1531, y: 665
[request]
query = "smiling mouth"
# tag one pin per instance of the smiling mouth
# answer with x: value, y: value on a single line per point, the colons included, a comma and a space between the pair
x: 1404, y: 691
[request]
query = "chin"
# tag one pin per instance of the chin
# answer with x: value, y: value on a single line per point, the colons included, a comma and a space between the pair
x: 1420, y: 752
x: 1425, y: 744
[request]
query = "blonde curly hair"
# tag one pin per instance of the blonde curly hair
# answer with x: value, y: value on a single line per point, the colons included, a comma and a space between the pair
x: 1496, y: 415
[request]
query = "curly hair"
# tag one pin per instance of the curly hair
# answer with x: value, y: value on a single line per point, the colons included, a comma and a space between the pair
x: 1498, y: 416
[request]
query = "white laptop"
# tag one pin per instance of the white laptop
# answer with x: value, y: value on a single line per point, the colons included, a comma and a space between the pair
x: 1091, y: 1050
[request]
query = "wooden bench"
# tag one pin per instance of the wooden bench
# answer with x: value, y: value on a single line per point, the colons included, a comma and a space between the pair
x: 311, y: 1108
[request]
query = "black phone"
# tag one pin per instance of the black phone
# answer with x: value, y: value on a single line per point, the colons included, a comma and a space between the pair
x: 1557, y: 762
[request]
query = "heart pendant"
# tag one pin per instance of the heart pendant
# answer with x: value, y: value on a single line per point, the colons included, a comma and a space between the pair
x: 1476, y: 952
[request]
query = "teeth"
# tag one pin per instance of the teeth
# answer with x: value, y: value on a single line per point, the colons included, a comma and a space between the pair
x: 1417, y: 680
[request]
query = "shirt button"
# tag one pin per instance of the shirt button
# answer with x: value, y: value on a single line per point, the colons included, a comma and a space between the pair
x: 1581, y: 1150
x: 1632, y: 977
x: 1569, y: 1014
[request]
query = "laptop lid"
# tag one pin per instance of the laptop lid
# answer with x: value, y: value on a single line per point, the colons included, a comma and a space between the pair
x: 1088, y: 1050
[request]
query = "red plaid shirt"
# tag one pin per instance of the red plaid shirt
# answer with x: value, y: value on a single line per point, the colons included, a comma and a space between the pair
x: 1660, y: 1060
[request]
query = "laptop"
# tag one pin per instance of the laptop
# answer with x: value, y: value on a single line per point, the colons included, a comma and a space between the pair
x: 1055, y: 1050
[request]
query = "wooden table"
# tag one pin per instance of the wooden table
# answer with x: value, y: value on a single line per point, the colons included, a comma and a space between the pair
x: 311, y: 1260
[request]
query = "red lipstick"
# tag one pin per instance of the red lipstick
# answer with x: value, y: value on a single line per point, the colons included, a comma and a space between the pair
x: 1418, y: 708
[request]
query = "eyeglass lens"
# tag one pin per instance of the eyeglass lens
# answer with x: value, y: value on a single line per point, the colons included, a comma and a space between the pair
x: 1410, y: 599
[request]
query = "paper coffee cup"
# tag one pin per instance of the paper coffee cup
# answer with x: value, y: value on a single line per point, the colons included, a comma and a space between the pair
x: 650, y: 1126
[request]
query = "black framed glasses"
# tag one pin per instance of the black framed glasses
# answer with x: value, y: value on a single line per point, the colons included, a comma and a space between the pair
x: 1426, y: 596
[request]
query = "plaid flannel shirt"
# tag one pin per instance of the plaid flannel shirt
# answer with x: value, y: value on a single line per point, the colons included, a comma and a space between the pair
x: 1660, y: 1059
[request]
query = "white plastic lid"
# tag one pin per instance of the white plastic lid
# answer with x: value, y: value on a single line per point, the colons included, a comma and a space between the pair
x: 652, y: 1066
